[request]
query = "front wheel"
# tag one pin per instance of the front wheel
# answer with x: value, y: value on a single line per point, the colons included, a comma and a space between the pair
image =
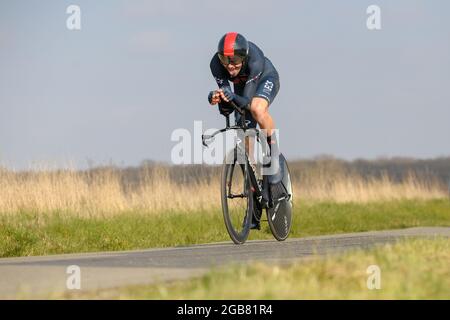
x: 280, y: 215
x: 237, y: 201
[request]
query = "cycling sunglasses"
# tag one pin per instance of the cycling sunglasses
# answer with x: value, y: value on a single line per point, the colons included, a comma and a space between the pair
x: 234, y: 60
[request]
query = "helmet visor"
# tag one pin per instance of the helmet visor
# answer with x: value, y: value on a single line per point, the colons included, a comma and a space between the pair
x: 234, y: 60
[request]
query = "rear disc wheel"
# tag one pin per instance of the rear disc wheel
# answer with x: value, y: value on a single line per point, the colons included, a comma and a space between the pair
x: 280, y: 215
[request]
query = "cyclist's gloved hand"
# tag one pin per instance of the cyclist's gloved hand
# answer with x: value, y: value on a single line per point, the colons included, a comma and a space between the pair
x: 210, y: 96
x: 214, y: 97
x: 228, y: 94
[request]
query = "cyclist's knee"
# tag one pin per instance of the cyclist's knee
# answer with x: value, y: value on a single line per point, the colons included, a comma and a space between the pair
x: 259, y: 108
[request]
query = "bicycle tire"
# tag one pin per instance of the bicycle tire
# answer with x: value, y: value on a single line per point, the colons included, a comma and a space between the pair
x: 279, y: 216
x: 237, y: 230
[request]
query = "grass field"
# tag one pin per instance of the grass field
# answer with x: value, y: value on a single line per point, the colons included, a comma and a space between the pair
x: 66, y: 211
x: 28, y: 233
x: 410, y: 269
x: 107, y: 192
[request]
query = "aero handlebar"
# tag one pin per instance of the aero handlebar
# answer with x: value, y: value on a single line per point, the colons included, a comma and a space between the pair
x: 206, y: 139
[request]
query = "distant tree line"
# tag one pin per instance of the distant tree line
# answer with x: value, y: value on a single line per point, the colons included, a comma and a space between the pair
x: 397, y: 169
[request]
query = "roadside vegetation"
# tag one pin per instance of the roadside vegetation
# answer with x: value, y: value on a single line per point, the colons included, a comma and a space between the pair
x: 106, y: 192
x: 409, y: 269
x: 64, y: 211
x: 28, y: 234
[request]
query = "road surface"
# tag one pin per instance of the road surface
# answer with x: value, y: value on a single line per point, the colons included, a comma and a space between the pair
x: 34, y: 277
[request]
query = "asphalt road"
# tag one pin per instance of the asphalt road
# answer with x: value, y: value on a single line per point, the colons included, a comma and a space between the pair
x: 34, y: 277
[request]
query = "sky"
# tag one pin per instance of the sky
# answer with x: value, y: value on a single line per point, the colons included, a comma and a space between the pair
x: 115, y: 91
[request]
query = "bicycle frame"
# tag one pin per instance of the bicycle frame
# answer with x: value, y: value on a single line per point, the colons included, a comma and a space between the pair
x: 259, y: 195
x: 241, y: 126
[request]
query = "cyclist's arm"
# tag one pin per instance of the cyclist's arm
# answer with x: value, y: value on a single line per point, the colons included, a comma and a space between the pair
x: 256, y: 64
x: 249, y: 90
x: 221, y: 78
x: 241, y: 101
x: 219, y: 73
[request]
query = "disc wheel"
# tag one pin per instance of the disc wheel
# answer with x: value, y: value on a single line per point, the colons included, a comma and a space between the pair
x: 279, y: 216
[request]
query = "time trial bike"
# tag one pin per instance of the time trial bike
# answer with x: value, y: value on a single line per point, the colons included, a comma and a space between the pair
x: 246, y: 191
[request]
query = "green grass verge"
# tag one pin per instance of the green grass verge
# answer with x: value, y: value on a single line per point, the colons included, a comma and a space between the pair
x: 410, y: 269
x: 25, y: 233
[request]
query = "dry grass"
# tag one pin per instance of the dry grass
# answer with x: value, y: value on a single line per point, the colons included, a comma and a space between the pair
x: 410, y: 269
x: 101, y: 194
x: 355, y: 188
x: 105, y: 193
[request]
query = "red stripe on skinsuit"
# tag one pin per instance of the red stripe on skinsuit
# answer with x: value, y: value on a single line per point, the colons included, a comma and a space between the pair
x: 230, y: 39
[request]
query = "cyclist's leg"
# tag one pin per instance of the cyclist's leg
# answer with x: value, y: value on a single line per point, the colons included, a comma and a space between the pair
x: 250, y: 123
x: 264, y: 96
x: 249, y: 138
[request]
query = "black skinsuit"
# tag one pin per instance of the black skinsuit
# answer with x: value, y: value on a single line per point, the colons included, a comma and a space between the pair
x: 257, y: 78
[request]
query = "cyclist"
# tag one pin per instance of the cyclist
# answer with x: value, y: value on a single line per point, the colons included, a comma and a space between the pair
x: 256, y: 84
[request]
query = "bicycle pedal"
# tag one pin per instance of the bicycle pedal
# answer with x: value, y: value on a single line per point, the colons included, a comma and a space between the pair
x: 264, y: 203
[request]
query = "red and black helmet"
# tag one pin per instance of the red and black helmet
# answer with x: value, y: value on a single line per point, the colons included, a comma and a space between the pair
x: 233, y: 48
